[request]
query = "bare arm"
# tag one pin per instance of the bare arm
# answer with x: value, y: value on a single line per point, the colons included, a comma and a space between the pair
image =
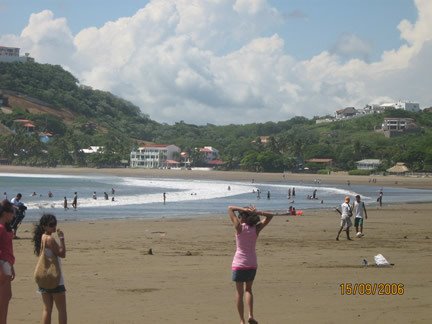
x: 268, y: 217
x: 232, y: 215
x: 364, y: 208
x: 58, y: 249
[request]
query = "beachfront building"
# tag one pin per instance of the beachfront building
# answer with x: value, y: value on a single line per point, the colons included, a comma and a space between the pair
x: 12, y: 54
x: 154, y: 156
x: 209, y: 153
x: 399, y: 169
x: 368, y: 164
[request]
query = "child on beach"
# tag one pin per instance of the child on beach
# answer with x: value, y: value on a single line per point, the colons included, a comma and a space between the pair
x: 248, y: 225
x: 43, y: 237
x: 7, y: 259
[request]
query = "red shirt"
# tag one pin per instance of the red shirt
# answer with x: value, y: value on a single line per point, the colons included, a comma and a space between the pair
x: 6, y: 249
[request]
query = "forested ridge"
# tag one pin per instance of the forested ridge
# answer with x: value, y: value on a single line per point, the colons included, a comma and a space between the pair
x: 103, y: 119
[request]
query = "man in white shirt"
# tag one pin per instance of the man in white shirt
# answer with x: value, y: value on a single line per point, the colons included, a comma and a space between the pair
x: 346, y: 214
x: 20, y: 209
x: 359, y: 208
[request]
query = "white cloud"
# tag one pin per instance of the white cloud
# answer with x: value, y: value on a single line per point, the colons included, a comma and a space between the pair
x: 218, y: 61
x: 352, y: 46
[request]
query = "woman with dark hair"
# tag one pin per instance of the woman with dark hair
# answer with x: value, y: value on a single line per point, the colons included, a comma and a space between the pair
x: 7, y: 259
x: 248, y: 225
x: 43, y: 237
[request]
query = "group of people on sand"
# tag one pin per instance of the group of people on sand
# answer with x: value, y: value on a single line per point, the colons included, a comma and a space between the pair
x: 358, y: 210
x: 19, y: 210
x: 248, y: 222
x: 42, y: 237
x: 247, y: 225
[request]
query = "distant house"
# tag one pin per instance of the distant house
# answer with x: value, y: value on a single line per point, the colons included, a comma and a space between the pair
x: 12, y: 54
x: 154, y: 156
x: 368, y: 164
x: 347, y: 112
x: 210, y: 153
x: 404, y: 105
x: 396, y: 126
x: 399, y: 169
x: 371, y: 109
x: 324, y: 120
x: 24, y: 123
x: 92, y: 149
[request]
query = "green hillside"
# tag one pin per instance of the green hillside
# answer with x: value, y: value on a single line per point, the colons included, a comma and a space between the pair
x: 79, y: 116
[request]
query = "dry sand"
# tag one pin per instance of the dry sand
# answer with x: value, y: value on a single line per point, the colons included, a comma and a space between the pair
x: 111, y: 278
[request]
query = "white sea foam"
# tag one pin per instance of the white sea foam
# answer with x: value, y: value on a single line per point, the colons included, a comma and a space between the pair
x: 33, y: 175
x: 179, y: 190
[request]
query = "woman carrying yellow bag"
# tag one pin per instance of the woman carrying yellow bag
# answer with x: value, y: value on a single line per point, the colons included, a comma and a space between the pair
x: 51, y: 248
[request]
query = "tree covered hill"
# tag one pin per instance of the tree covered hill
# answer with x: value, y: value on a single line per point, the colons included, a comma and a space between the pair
x: 79, y: 117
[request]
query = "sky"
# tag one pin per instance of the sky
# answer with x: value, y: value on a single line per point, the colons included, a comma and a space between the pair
x: 233, y: 61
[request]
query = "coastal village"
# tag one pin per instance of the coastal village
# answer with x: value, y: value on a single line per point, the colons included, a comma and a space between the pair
x: 168, y: 155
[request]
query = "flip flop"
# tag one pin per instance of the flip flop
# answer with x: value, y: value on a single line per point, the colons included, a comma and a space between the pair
x: 252, y: 321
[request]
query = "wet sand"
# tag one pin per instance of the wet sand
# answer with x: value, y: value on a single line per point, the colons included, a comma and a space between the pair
x: 111, y: 278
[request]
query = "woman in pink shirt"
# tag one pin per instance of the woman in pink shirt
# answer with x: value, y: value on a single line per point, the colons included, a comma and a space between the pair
x: 7, y: 259
x: 247, y: 225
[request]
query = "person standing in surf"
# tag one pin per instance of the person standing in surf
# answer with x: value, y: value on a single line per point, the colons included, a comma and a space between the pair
x: 248, y: 225
x: 75, y: 201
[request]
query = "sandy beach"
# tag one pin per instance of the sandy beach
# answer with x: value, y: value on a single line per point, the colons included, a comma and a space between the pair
x: 111, y: 278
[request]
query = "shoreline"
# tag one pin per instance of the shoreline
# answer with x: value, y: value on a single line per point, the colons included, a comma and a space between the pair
x: 334, y: 178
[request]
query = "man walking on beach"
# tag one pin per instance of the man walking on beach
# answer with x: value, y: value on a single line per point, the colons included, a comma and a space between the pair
x: 379, y: 199
x: 346, y: 214
x: 359, y: 208
x: 75, y: 201
x: 20, y: 209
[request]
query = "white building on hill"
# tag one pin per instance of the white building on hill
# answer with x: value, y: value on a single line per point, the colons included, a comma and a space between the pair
x: 154, y: 156
x: 12, y: 54
x: 404, y: 105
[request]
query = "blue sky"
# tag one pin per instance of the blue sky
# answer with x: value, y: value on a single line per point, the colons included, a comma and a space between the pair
x: 251, y: 59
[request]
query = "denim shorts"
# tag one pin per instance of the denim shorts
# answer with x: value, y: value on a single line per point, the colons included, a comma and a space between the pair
x: 243, y: 275
x: 56, y: 290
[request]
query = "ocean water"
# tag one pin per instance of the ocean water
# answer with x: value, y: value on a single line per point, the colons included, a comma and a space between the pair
x: 143, y: 197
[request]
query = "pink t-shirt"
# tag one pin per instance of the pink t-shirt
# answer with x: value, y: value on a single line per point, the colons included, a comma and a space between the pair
x: 245, y: 256
x: 6, y: 249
